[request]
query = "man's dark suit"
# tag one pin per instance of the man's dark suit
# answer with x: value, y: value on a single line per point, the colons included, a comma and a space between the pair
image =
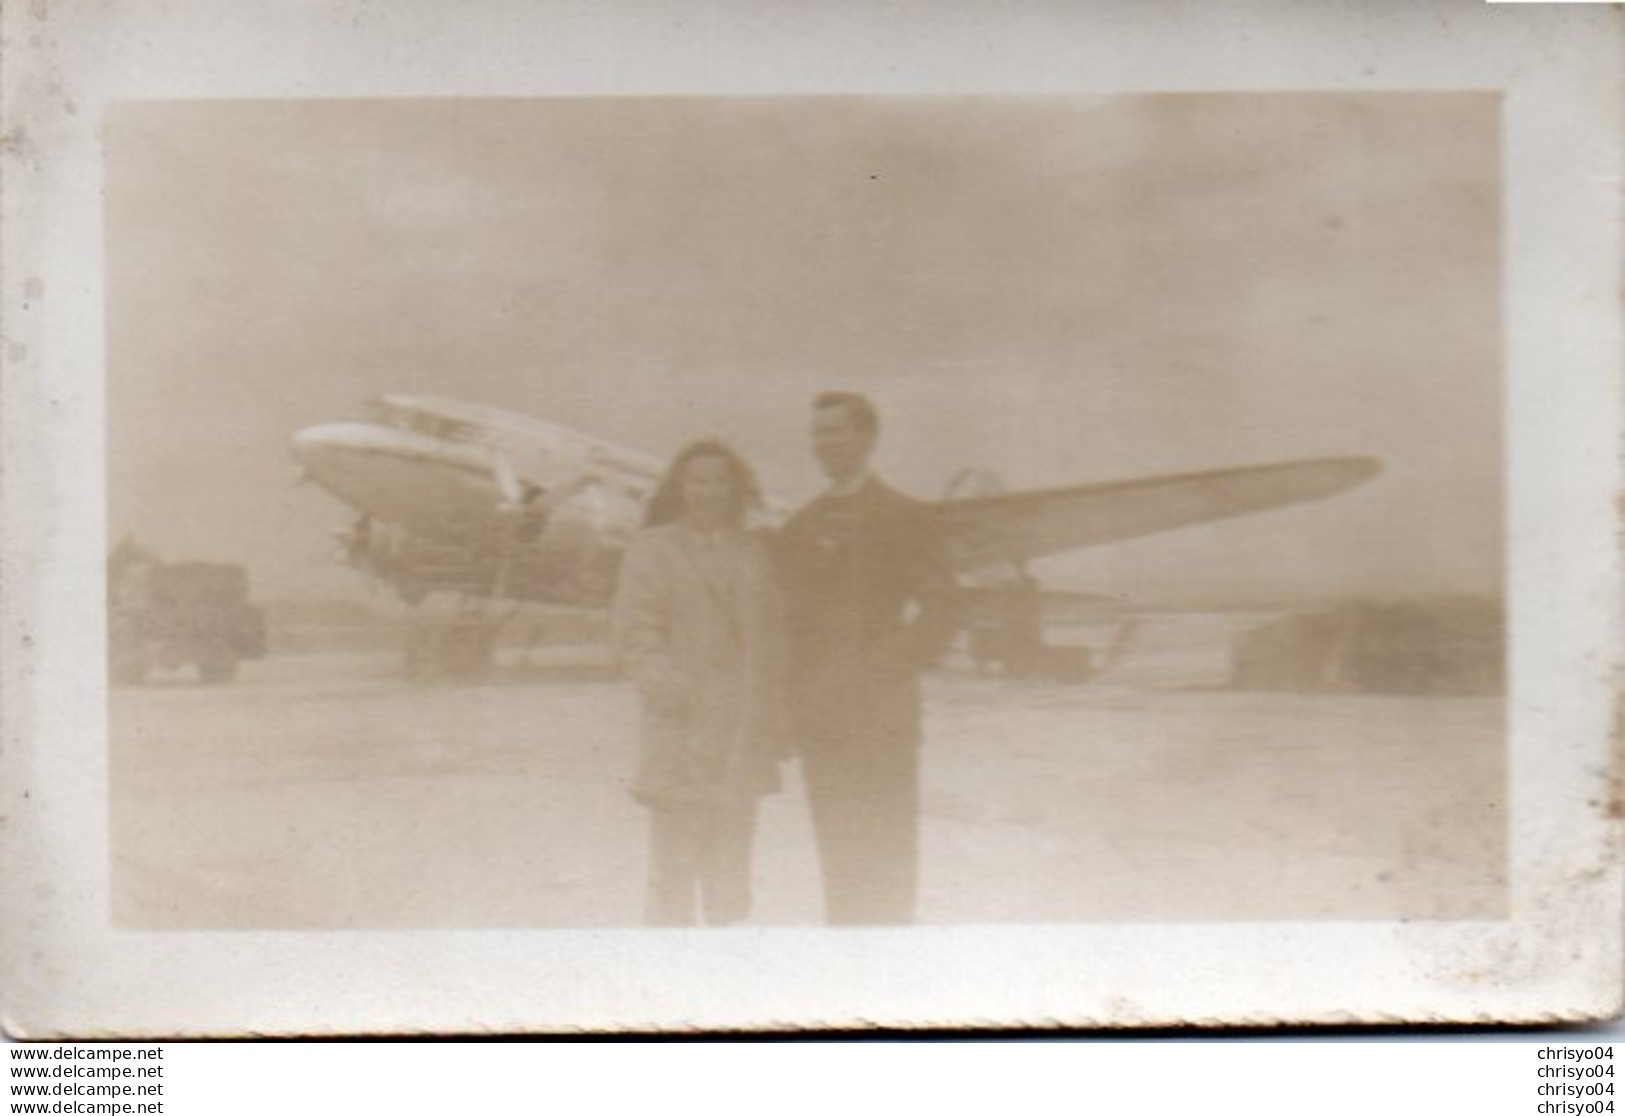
x: 852, y: 568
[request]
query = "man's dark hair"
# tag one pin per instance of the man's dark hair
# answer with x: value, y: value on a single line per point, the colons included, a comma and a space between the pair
x: 858, y: 408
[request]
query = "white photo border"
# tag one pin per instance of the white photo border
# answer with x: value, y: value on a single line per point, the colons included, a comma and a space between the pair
x: 67, y: 972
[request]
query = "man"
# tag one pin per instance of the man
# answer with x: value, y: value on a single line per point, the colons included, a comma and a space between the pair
x: 870, y: 601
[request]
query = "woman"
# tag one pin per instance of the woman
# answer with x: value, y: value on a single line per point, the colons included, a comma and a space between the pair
x: 698, y: 625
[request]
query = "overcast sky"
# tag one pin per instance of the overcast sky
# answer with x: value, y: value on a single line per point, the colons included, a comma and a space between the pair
x: 1059, y: 289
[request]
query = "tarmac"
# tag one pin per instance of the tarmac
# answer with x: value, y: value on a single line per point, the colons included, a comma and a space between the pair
x: 322, y: 790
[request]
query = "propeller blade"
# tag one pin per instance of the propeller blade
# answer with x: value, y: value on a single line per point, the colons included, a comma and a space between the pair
x: 507, y: 481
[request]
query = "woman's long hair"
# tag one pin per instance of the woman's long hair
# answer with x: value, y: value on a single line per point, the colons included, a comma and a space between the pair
x: 666, y: 505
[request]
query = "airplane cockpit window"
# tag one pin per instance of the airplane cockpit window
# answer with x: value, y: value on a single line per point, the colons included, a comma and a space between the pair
x: 456, y: 431
x: 433, y: 425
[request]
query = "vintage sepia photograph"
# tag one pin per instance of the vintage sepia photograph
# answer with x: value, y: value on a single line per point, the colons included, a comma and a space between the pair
x: 709, y: 516
x: 632, y: 511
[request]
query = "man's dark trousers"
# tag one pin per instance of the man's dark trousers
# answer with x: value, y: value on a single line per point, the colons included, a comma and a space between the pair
x: 870, y: 600
x: 863, y: 787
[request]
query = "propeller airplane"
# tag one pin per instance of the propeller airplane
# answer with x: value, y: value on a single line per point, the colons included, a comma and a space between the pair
x: 495, y: 508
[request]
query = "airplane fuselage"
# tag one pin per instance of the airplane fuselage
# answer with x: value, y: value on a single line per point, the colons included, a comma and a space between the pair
x: 491, y: 503
x: 458, y: 497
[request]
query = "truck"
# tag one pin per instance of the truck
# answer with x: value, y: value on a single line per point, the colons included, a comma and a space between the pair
x: 173, y: 615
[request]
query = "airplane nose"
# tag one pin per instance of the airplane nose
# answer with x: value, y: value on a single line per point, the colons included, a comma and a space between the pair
x: 330, y: 452
x: 310, y: 448
x: 308, y: 443
x: 319, y: 445
x: 338, y: 457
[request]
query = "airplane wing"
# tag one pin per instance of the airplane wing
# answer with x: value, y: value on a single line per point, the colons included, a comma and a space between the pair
x: 996, y: 530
